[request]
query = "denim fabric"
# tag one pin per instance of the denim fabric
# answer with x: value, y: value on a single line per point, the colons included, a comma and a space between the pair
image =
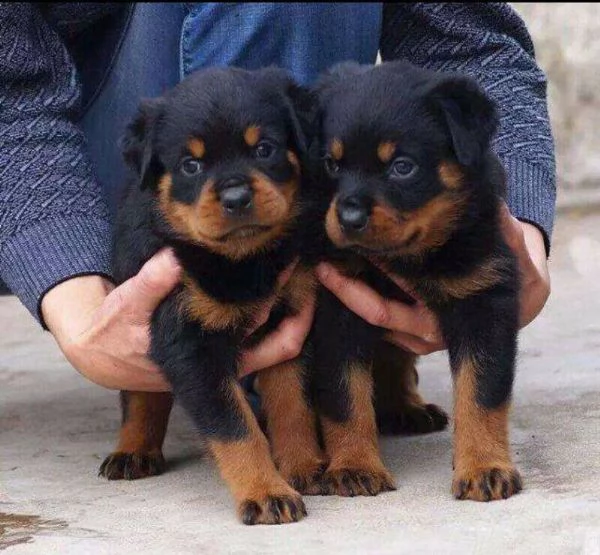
x: 145, y: 64
x: 305, y: 38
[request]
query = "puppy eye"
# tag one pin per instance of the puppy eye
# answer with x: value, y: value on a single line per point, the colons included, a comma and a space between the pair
x: 403, y: 167
x: 264, y: 149
x: 191, y: 166
x: 331, y: 165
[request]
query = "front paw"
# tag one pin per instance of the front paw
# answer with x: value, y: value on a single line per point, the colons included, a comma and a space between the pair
x: 272, y: 509
x: 486, y: 484
x: 132, y: 466
x: 307, y: 480
x: 412, y: 419
x: 350, y: 482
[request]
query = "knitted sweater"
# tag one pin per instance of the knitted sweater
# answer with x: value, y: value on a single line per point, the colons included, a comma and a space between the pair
x: 54, y: 223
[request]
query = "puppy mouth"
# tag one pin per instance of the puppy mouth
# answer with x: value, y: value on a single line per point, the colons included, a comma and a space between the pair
x: 245, y: 232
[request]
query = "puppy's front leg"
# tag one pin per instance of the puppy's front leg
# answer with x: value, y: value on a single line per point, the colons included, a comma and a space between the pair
x: 201, y: 366
x: 481, y: 334
x: 343, y: 393
x: 291, y: 425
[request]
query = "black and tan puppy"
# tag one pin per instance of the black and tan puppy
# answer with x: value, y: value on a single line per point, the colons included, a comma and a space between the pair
x: 217, y: 177
x: 414, y: 186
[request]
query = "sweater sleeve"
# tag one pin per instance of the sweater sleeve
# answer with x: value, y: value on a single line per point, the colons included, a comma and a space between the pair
x: 54, y: 223
x: 489, y: 42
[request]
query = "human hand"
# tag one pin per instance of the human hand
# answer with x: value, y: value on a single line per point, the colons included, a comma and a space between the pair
x: 415, y: 328
x: 286, y: 342
x: 527, y: 242
x: 104, y: 331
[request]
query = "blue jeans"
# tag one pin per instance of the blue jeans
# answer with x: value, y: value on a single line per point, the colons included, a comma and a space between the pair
x: 152, y: 46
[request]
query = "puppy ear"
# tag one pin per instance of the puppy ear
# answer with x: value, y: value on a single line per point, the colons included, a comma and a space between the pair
x: 302, y: 107
x: 300, y: 102
x: 137, y: 143
x: 468, y: 113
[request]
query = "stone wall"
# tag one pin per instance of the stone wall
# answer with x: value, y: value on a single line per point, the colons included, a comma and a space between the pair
x: 567, y: 42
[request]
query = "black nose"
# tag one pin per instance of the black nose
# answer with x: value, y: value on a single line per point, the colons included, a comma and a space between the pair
x: 235, y: 195
x: 353, y: 214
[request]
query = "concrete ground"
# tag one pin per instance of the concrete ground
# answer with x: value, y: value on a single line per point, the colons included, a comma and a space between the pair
x: 55, y: 429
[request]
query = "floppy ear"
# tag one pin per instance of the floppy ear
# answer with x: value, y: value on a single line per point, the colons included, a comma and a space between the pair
x: 469, y: 115
x: 138, y: 142
x: 302, y: 106
x: 300, y: 103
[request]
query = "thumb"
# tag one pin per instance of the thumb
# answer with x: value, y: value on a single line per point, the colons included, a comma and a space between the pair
x: 156, y: 279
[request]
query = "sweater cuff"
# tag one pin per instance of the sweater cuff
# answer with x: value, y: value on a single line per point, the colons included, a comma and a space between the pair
x: 35, y: 260
x: 531, y: 195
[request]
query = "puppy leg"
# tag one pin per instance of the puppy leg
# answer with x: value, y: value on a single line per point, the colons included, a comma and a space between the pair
x: 291, y: 426
x: 201, y: 366
x: 399, y: 407
x: 343, y: 393
x: 144, y: 425
x: 481, y: 336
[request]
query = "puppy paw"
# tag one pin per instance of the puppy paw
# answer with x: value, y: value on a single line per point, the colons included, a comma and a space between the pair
x: 412, y: 419
x: 307, y: 480
x: 350, y: 482
x: 272, y: 509
x: 487, y: 484
x: 132, y: 466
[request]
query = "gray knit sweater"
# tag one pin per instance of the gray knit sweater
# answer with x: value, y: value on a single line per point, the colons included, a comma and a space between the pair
x: 54, y: 223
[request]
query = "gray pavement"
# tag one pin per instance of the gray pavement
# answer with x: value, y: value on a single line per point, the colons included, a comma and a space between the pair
x: 55, y: 429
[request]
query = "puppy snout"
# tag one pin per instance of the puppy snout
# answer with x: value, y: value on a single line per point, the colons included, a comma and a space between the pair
x: 353, y: 214
x: 235, y: 195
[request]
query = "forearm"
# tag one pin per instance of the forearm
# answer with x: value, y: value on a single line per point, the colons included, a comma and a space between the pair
x: 489, y: 42
x: 54, y: 223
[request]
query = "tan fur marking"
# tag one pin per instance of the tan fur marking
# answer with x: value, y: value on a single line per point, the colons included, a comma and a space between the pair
x: 246, y: 464
x: 145, y: 426
x: 213, y: 314
x: 293, y: 160
x: 337, y: 149
x: 481, y: 279
x: 196, y: 147
x: 450, y: 175
x: 291, y: 423
x: 397, y: 233
x: 481, y: 443
x: 204, y: 222
x: 252, y: 135
x: 354, y: 444
x: 385, y: 151
x: 299, y: 288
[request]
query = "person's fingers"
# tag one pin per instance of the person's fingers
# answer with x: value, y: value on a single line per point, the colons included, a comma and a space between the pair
x: 515, y: 238
x: 412, y: 343
x: 285, y: 343
x: 144, y: 291
x: 370, y: 306
x: 285, y: 276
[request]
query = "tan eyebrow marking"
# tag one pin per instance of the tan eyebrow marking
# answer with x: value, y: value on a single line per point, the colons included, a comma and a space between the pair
x: 450, y: 175
x: 251, y: 135
x: 337, y: 149
x: 196, y: 147
x: 385, y: 151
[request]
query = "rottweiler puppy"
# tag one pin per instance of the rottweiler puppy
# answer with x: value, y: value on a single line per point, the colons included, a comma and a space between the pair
x: 414, y: 187
x: 216, y: 166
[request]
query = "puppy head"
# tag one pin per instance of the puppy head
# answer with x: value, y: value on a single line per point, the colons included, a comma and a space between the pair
x: 221, y: 152
x: 399, y: 144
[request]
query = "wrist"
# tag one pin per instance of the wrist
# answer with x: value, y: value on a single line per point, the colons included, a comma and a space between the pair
x: 68, y: 308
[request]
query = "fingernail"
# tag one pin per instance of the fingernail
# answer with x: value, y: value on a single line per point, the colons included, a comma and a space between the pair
x: 171, y: 259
